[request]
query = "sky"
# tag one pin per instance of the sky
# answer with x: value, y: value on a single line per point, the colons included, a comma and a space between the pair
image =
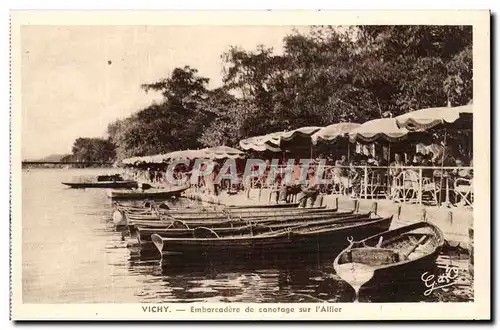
x: 78, y: 79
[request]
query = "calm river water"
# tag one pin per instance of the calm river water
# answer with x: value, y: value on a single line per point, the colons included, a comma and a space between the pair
x: 73, y: 254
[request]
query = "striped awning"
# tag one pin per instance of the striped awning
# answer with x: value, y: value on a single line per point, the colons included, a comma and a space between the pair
x: 268, y: 142
x: 424, y: 119
x: 373, y: 130
x: 273, y: 141
x: 333, y: 132
x: 221, y: 152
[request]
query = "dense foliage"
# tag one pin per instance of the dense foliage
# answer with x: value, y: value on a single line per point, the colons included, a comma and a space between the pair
x: 91, y: 150
x: 326, y: 76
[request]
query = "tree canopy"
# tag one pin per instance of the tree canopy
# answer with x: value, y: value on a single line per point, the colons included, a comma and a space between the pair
x: 325, y: 76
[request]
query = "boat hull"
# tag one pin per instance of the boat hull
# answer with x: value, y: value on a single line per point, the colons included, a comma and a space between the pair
x: 221, y: 216
x: 146, y: 194
x: 104, y: 184
x: 382, y: 268
x: 291, y: 242
x: 144, y: 242
x: 225, y: 222
x: 390, y: 284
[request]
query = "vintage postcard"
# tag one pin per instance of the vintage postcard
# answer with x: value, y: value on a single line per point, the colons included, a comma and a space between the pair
x: 273, y: 165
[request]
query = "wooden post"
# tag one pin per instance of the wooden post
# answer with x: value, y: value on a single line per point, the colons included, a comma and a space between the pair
x: 375, y: 208
x: 404, y: 187
x: 399, y: 212
x: 471, y: 251
x: 450, y: 217
x: 420, y: 188
x: 357, y: 206
x: 424, y: 214
x: 336, y: 203
x: 365, y: 182
x: 320, y: 198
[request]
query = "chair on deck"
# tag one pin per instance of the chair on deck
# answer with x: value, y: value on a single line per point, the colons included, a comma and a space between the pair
x: 405, y: 187
x: 375, y: 185
x: 465, y: 189
x: 431, y: 187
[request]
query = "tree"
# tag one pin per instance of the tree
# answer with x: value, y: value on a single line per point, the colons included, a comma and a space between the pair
x: 93, y: 150
x: 173, y: 124
x: 325, y: 76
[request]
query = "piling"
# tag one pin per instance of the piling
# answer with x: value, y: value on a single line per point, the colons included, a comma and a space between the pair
x: 471, y: 251
x: 320, y: 201
x: 375, y: 208
x: 424, y: 214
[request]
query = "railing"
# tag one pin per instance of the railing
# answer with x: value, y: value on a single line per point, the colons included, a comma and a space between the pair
x: 407, y: 184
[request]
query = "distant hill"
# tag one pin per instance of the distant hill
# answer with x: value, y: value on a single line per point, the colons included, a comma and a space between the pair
x: 51, y: 158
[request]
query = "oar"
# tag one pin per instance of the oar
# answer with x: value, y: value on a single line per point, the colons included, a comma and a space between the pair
x: 405, y: 256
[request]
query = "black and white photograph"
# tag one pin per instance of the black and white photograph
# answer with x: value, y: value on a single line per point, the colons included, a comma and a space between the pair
x: 278, y: 165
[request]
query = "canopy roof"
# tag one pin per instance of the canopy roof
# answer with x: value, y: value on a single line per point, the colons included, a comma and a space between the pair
x: 384, y: 128
x: 268, y: 142
x: 273, y: 141
x: 221, y: 152
x: 332, y: 132
x: 424, y: 119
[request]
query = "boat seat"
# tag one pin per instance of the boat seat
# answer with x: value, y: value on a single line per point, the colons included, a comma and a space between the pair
x: 373, y: 256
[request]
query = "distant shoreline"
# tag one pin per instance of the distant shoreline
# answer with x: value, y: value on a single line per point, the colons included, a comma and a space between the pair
x: 48, y: 165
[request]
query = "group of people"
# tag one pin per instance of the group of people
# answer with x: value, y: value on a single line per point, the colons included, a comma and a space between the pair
x: 346, y: 173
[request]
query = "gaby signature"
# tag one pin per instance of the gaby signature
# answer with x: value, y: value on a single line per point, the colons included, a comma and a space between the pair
x: 444, y: 280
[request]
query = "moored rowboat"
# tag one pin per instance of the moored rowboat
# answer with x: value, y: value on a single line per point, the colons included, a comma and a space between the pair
x: 121, y: 218
x: 149, y: 193
x: 148, y: 204
x: 313, y: 238
x: 236, y: 220
x: 101, y: 181
x: 141, y: 236
x: 102, y: 184
x: 238, y: 213
x: 396, y: 258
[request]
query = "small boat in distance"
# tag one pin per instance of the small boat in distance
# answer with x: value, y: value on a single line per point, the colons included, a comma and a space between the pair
x: 102, y: 181
x: 395, y: 259
x: 158, y: 193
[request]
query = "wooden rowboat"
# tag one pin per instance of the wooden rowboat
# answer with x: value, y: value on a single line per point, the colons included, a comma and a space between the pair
x: 312, y: 238
x: 164, y: 207
x: 239, y: 220
x: 396, y: 258
x: 121, y: 218
x: 153, y: 209
x: 140, y: 236
x: 102, y: 184
x: 144, y: 194
x: 101, y: 181
x: 225, y: 214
